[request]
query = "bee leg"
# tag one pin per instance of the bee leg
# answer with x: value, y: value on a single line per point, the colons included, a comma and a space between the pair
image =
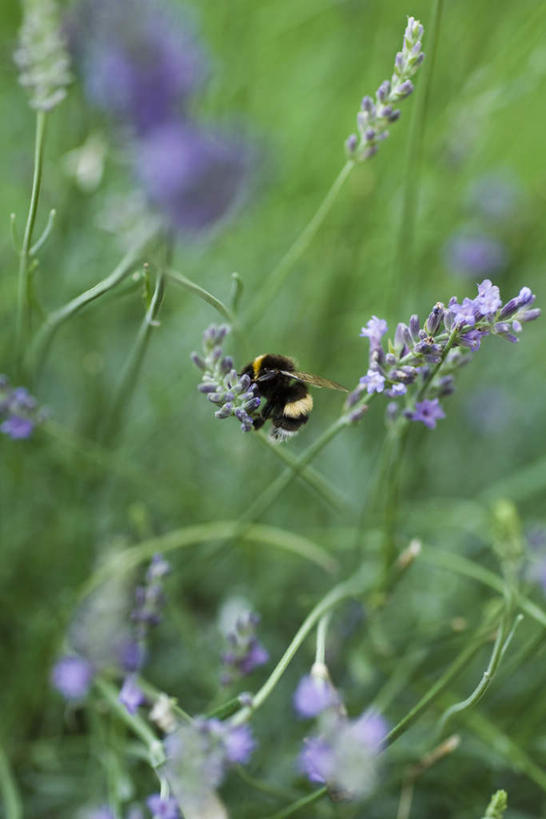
x: 261, y: 419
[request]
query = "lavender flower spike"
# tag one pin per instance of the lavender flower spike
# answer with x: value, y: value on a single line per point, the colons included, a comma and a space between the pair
x: 374, y: 118
x: 221, y: 384
x: 42, y: 57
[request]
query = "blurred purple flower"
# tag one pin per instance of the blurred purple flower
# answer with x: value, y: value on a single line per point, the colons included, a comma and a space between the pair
x: 140, y: 59
x: 163, y: 808
x: 343, y: 755
x: 194, y: 176
x: 245, y: 652
x: 131, y: 696
x: 496, y: 195
x: 428, y: 412
x: 19, y: 412
x: 313, y: 695
x: 72, y: 677
x: 490, y: 410
x: 475, y: 255
x: 198, y: 755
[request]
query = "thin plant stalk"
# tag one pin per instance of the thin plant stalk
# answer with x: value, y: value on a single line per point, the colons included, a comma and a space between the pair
x: 278, y: 275
x: 25, y: 255
x: 11, y: 798
x: 129, y: 378
x: 42, y: 342
x: 304, y: 802
x: 402, y: 260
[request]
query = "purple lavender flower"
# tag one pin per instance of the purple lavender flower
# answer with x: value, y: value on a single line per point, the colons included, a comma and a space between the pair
x: 343, y: 755
x: 244, y: 652
x: 236, y: 396
x: 198, y: 756
x: 161, y: 808
x: 19, y: 412
x: 475, y: 255
x: 131, y: 696
x: 72, y: 677
x: 374, y: 118
x: 140, y: 59
x: 239, y: 744
x: 194, y: 176
x: 488, y: 300
x: 16, y: 427
x: 313, y: 695
x: 373, y: 381
x: 428, y: 411
x: 375, y: 329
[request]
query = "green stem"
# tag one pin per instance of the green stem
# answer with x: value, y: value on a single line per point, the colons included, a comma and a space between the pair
x: 275, y: 280
x: 24, y: 285
x: 269, y: 495
x: 133, y: 721
x: 349, y: 588
x: 406, y: 233
x: 501, y: 644
x: 433, y: 693
x: 202, y: 533
x: 131, y: 371
x: 322, y: 631
x: 45, y: 336
x: 313, y: 478
x: 290, y: 810
x: 13, y: 805
x: 197, y: 290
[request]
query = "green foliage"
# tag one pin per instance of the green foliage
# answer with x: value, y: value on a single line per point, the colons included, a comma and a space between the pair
x: 131, y: 460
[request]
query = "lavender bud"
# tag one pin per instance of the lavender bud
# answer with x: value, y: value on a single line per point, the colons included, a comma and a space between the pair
x: 224, y: 412
x: 383, y: 91
x: 222, y: 332
x: 502, y: 327
x: 370, y: 134
x: 370, y: 151
x: 531, y: 315
x: 416, y: 50
x: 351, y: 144
x: 245, y: 381
x: 357, y: 414
x: 402, y: 336
x: 419, y: 59
x: 446, y: 386
x: 198, y: 361
x: 367, y: 104
x: 216, y: 397
x: 209, y: 336
x: 386, y: 111
x: 216, y: 354
x: 226, y: 364
x: 354, y: 396
x: 405, y: 89
x: 207, y: 388
x: 435, y: 319
x: 394, y: 116
x: 399, y: 62
x: 252, y: 405
x: 390, y: 359
x: 414, y: 327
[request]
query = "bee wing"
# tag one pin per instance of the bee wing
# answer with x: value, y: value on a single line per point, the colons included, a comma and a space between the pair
x: 314, y: 380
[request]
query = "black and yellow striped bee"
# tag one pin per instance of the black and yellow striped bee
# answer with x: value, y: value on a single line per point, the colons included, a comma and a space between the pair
x: 288, y: 401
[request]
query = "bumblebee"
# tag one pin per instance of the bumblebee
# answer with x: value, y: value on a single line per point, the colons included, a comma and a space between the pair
x: 288, y: 401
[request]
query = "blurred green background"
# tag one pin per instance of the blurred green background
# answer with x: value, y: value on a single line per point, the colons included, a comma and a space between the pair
x: 292, y: 73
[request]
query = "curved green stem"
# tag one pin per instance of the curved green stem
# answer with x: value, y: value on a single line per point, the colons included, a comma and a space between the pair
x: 349, y: 588
x: 46, y: 334
x: 23, y: 290
x: 13, y: 805
x: 501, y: 644
x: 404, y: 245
x: 202, y: 533
x: 276, y: 278
x: 46, y: 232
x: 133, y: 721
x: 290, y: 810
x: 129, y: 378
x: 322, y: 631
x: 187, y: 284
